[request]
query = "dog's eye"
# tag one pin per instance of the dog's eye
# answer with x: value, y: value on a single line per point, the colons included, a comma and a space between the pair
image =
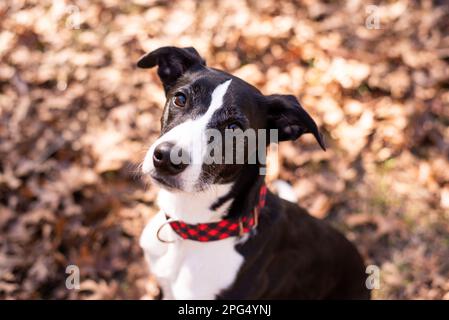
x: 180, y: 99
x: 233, y: 126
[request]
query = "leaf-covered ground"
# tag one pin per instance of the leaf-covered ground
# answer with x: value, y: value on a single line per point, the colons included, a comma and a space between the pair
x: 76, y: 117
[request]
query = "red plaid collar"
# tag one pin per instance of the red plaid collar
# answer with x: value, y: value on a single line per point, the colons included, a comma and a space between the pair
x: 222, y: 229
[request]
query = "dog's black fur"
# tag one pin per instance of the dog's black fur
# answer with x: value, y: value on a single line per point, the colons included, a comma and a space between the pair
x: 292, y: 255
x: 295, y: 256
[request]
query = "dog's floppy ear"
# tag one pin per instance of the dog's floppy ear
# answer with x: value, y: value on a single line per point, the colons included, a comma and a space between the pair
x: 287, y: 116
x: 172, y: 62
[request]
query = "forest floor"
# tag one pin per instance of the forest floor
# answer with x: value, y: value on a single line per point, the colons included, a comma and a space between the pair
x: 76, y: 117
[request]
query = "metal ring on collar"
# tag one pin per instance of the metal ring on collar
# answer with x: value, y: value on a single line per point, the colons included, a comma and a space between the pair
x: 159, y: 230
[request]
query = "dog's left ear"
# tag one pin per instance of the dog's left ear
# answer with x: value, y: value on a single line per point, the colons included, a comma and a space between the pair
x: 172, y: 63
x: 287, y: 116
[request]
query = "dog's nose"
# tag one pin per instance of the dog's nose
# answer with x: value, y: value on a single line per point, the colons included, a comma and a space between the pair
x: 168, y: 162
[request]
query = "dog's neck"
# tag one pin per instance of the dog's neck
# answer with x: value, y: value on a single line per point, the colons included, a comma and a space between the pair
x: 194, y: 207
x: 216, y: 202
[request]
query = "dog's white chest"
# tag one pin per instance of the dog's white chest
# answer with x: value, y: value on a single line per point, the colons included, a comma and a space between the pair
x: 189, y: 269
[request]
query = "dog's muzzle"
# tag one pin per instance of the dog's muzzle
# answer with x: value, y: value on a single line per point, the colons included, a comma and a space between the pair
x: 169, y: 160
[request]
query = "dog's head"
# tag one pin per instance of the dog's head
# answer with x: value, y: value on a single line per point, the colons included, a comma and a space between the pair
x: 204, y: 105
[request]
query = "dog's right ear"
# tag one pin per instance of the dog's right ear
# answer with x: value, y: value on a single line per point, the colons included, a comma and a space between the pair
x: 172, y: 63
x: 286, y: 115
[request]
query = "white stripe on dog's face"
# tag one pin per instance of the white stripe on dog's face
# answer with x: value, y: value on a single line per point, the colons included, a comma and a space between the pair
x: 190, y: 136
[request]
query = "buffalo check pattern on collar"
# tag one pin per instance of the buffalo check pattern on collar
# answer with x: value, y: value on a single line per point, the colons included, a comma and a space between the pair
x: 222, y: 229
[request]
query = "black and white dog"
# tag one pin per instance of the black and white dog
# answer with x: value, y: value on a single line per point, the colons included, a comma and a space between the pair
x: 219, y: 234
